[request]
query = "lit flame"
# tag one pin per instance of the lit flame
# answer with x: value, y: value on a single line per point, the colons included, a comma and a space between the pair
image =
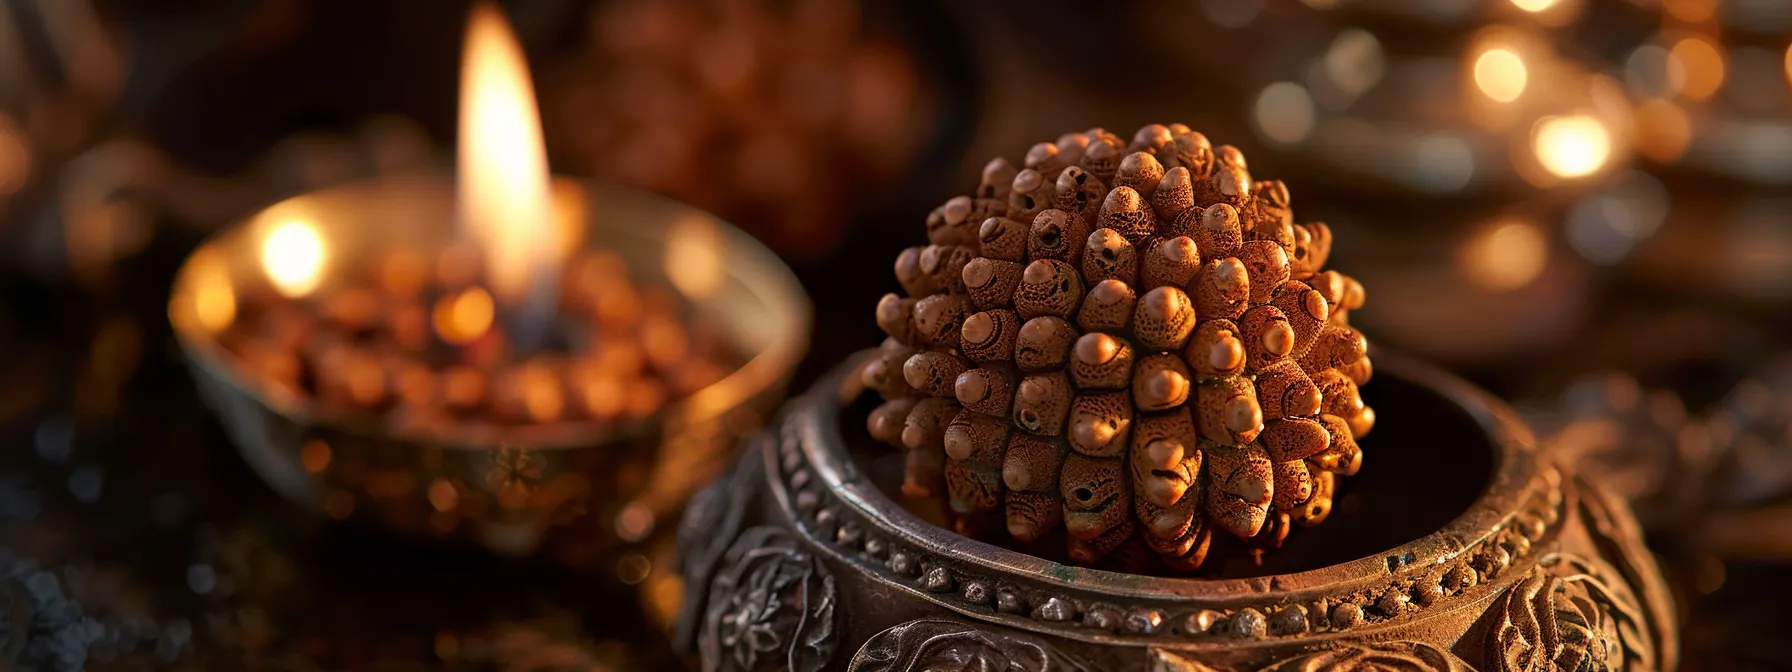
x: 293, y: 255
x: 1501, y: 74
x: 1571, y: 146
x: 1534, y: 5
x: 504, y: 193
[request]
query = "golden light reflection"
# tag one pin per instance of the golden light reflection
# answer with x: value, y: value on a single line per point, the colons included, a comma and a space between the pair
x: 1501, y: 74
x: 462, y: 318
x: 15, y: 158
x: 1571, y: 146
x: 1533, y: 5
x: 1702, y: 65
x: 1691, y: 11
x: 293, y: 256
x: 503, y: 190
x: 1789, y: 63
x: 693, y: 257
x: 1662, y: 130
x: 1507, y: 255
x: 214, y: 299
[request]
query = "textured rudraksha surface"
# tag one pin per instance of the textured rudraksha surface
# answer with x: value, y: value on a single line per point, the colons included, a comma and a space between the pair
x: 1133, y: 342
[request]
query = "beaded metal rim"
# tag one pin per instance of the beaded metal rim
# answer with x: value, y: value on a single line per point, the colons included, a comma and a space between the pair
x: 835, y: 503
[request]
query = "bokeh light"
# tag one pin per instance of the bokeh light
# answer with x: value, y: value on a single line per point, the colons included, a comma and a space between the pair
x: 1691, y: 11
x: 1701, y: 66
x: 293, y: 255
x: 15, y: 157
x: 1285, y: 113
x: 462, y: 318
x: 1571, y: 146
x: 1354, y: 62
x: 1663, y: 130
x: 1505, y: 255
x: 1501, y: 74
x: 1533, y: 5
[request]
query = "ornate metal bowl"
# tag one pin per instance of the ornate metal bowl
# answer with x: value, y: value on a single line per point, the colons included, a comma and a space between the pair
x: 1459, y: 546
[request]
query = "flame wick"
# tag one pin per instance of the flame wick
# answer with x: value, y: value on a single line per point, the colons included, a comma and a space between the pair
x: 503, y: 196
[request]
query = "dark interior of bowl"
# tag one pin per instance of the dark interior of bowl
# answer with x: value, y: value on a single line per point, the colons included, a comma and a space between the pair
x: 1426, y: 462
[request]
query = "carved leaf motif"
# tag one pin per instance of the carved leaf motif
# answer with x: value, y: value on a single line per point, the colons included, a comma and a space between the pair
x: 770, y: 607
x: 1399, y: 656
x: 1564, y: 615
x: 711, y: 520
x: 1619, y: 540
x: 949, y: 646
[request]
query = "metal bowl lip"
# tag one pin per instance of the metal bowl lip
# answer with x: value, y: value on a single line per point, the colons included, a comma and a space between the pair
x: 769, y: 368
x: 1517, y: 472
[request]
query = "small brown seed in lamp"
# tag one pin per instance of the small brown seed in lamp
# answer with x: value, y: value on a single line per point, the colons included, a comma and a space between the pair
x: 1141, y: 171
x: 985, y: 390
x: 463, y: 387
x: 1126, y: 212
x: 1057, y: 234
x: 1109, y: 307
x: 991, y: 282
x: 989, y: 336
x: 464, y: 317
